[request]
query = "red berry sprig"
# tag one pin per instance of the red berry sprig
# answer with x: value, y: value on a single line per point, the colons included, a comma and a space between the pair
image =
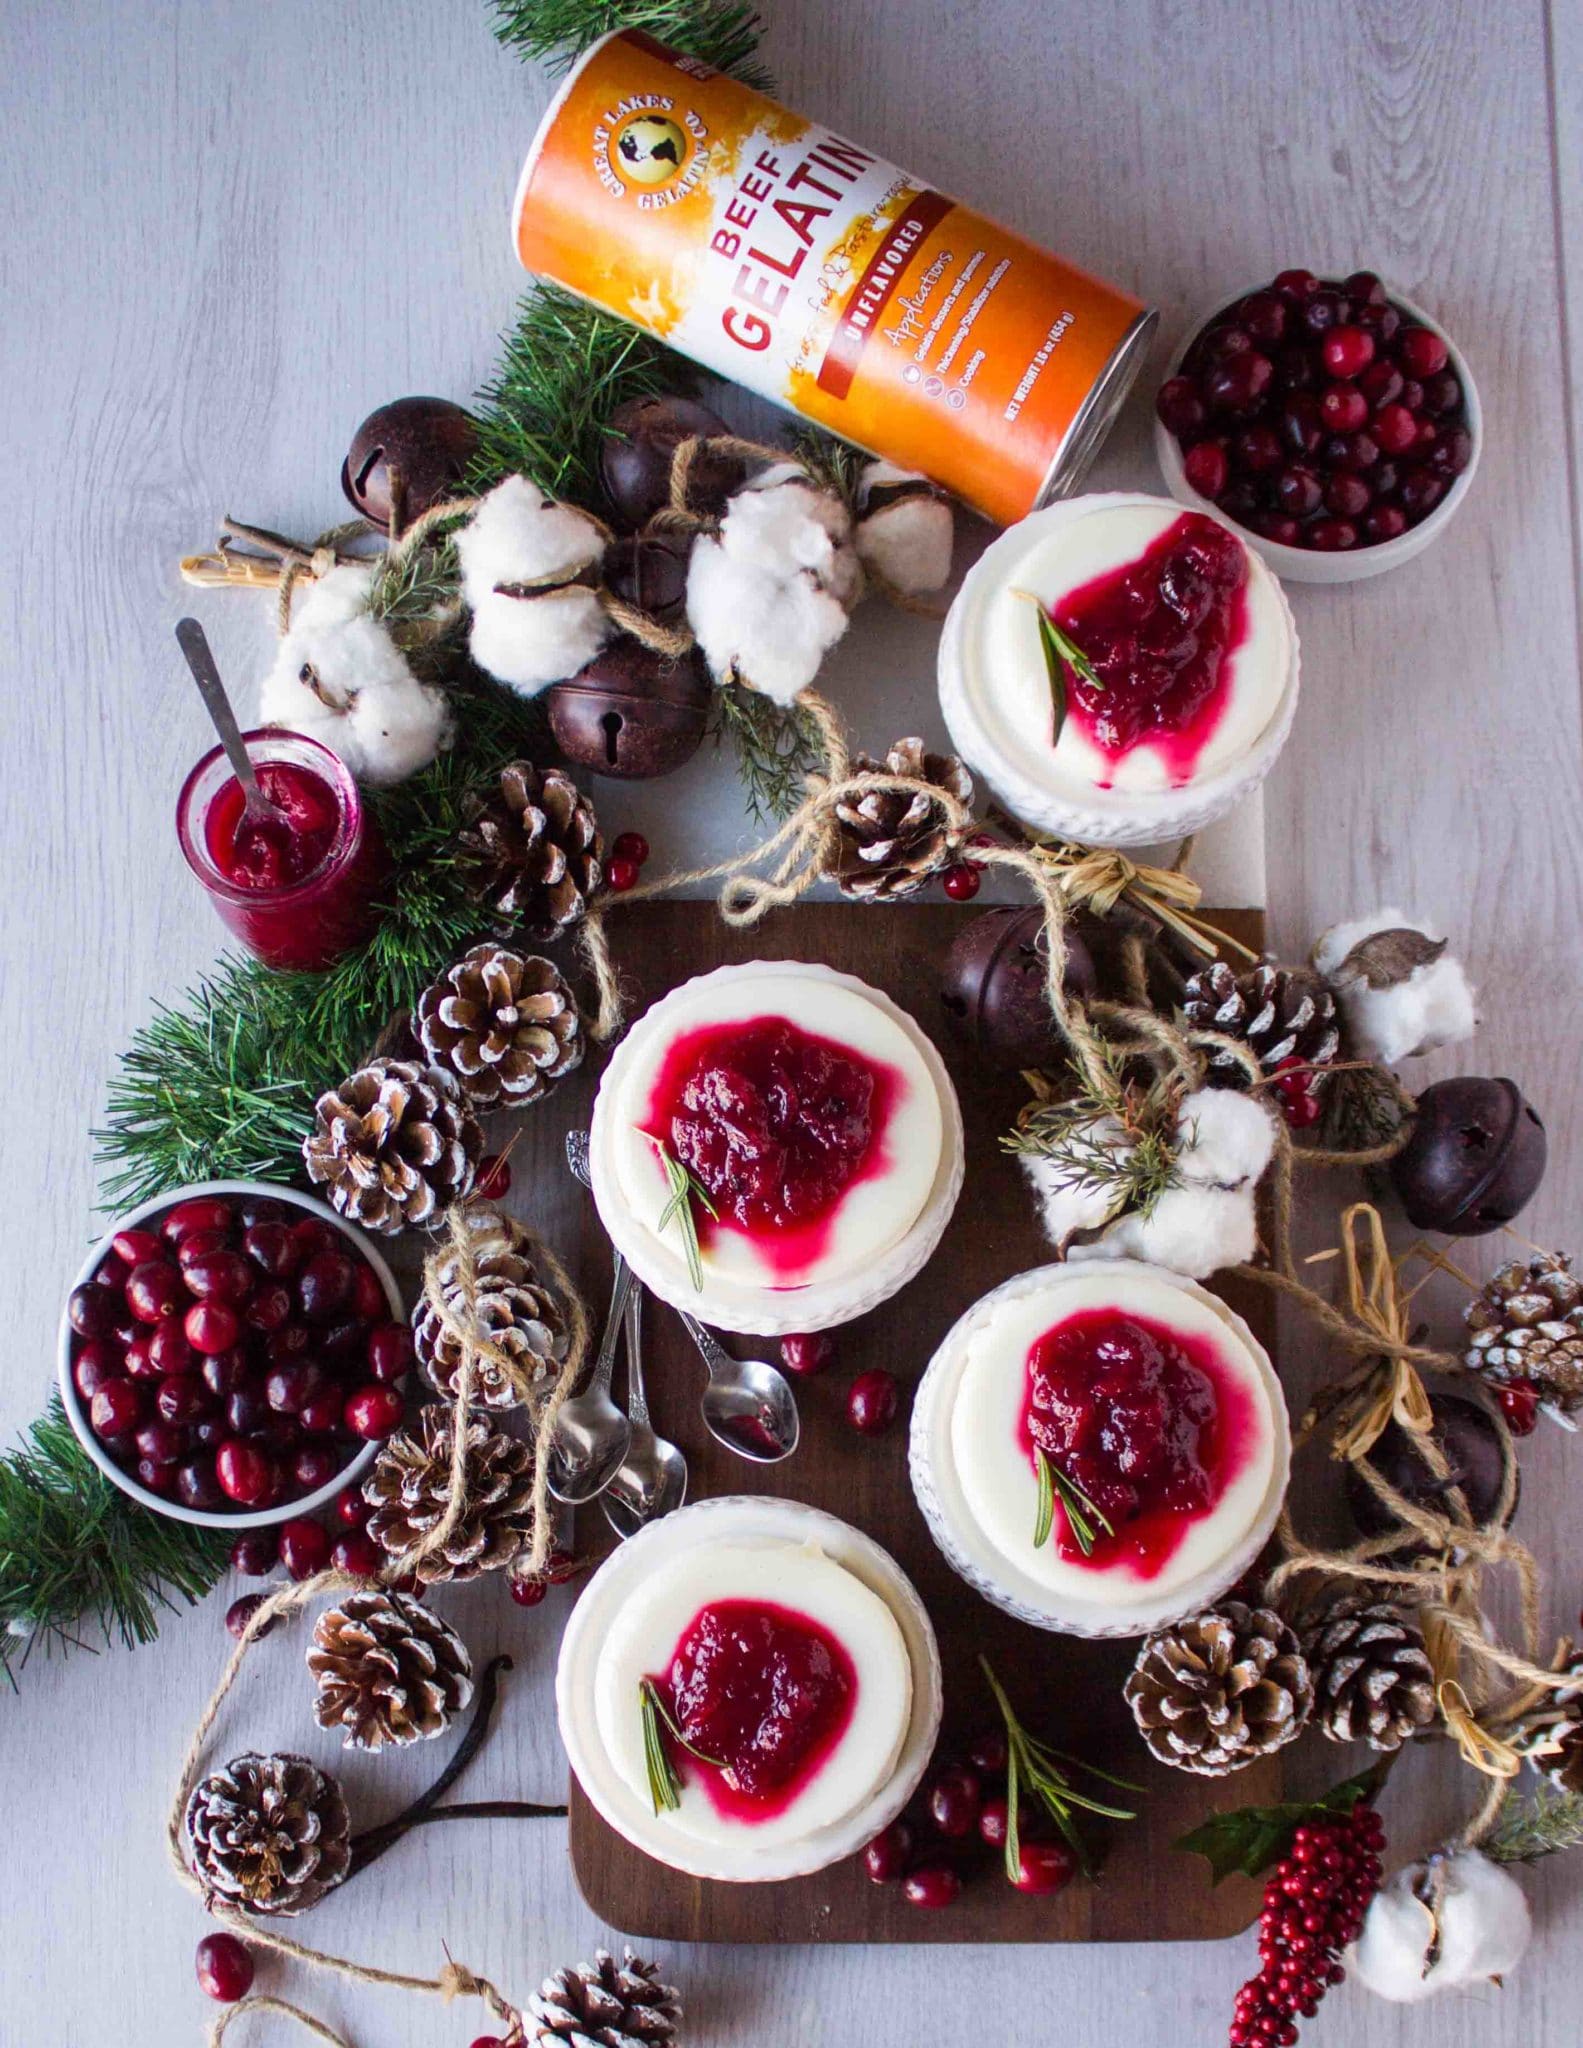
x: 1314, y: 1904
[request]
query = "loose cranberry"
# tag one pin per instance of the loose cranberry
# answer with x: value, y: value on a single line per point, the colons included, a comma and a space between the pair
x: 137, y: 1360
x: 211, y: 1326
x: 1237, y: 385
x: 808, y: 1354
x: 529, y: 1592
x: 1220, y: 344
x: 157, y: 1474
x: 351, y: 1510
x: 324, y: 1287
x: 359, y: 1555
x: 154, y: 1290
x: 320, y: 1414
x: 1180, y: 408
x: 1519, y: 1403
x: 111, y: 1275
x: 198, y: 1244
x: 621, y: 875
x: 1296, y: 284
x: 369, y: 1299
x: 1206, y: 468
x: 117, y: 1407
x: 1365, y: 285
x: 161, y: 1442
x: 1044, y: 1867
x: 1277, y: 526
x: 283, y: 1347
x: 931, y: 1886
x: 203, y: 1212
x: 273, y: 1248
x: 1258, y: 449
x: 1298, y: 491
x: 169, y: 1349
x: 1381, y: 383
x: 246, y: 1410
x: 304, y: 1547
x: 1382, y: 322
x: 1321, y: 312
x: 1385, y: 522
x: 390, y: 1352
x: 1413, y: 395
x: 289, y: 1388
x: 962, y: 881
x: 1452, y: 452
x: 1356, y: 452
x: 225, y: 1969
x: 343, y: 1342
x: 182, y: 1398
x: 1421, y: 352
x: 313, y: 1466
x: 1302, y: 425
x: 887, y: 1856
x: 987, y: 1753
x: 1345, y: 351
x: 373, y: 1412
x: 1442, y: 394
x: 993, y: 1821
x: 93, y: 1367
x: 1343, y: 407
x: 270, y: 1307
x: 225, y: 1371
x: 133, y: 1247
x: 1265, y: 317
x: 255, y: 1553
x: 241, y: 1612
x: 245, y: 1473
x: 872, y: 1401
x: 197, y: 1486
x: 631, y: 846
x: 1347, y: 496
x: 1421, y: 491
x: 315, y: 1234
x: 1332, y: 536
x: 209, y: 1432
x: 1395, y: 429
x: 955, y: 1800
x: 494, y: 1178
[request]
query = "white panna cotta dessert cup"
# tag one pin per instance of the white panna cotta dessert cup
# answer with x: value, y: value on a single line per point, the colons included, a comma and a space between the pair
x: 1085, y: 781
x: 741, y: 1556
x: 857, y: 1062
x: 976, y: 1480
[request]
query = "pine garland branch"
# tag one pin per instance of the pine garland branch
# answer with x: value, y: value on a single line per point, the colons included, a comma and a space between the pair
x: 1542, y: 1826
x: 565, y: 367
x: 555, y: 33
x: 75, y: 1549
x: 777, y: 747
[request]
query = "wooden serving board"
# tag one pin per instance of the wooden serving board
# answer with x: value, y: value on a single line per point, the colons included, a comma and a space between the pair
x: 1066, y: 1690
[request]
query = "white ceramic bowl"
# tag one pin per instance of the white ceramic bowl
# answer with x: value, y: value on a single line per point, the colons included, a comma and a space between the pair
x: 1311, y: 565
x: 766, y: 1311
x: 1098, y: 817
x: 623, y: 1575
x: 981, y: 1564
x: 238, y: 1519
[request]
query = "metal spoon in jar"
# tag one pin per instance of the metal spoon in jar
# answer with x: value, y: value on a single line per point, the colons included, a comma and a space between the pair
x: 652, y: 1478
x: 194, y: 644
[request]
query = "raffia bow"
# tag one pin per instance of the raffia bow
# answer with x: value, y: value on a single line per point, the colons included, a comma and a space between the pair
x: 1393, y: 1392
x: 1097, y: 878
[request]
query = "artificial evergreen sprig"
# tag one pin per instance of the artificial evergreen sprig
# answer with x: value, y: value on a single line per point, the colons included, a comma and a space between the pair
x: 1528, y: 1829
x: 723, y: 33
x: 75, y: 1549
x: 1118, y: 1139
x: 777, y: 747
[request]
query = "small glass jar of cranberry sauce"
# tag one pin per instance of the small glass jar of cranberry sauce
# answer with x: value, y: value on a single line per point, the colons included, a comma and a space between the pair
x: 298, y: 893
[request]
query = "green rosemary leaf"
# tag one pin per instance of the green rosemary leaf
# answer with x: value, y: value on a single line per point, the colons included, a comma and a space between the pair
x: 1061, y: 652
x: 1030, y: 1767
x: 685, y: 1190
x: 1081, y: 1513
x: 1044, y: 1517
x: 665, y: 1788
x: 1013, y: 1801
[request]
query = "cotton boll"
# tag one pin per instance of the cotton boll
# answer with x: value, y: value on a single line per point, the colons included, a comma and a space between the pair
x: 396, y: 729
x: 1477, y: 1909
x: 1194, y: 1231
x: 518, y: 536
x: 906, y: 530
x: 1224, y: 1139
x: 757, y: 625
x: 522, y: 556
x: 1067, y: 1204
x: 1400, y: 991
x: 530, y: 641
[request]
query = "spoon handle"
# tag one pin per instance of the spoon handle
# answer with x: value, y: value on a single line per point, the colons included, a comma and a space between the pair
x: 604, y: 1364
x: 194, y: 644
x: 637, y: 1393
x: 711, y: 1350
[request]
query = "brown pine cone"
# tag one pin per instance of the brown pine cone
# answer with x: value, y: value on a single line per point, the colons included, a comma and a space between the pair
x: 1550, y: 1734
x: 1372, y: 1678
x: 514, y: 1310
x: 1279, y: 1013
x: 536, y: 851
x: 394, y: 1145
x: 891, y: 842
x: 268, y: 1834
x: 604, y: 2004
x: 505, y: 1026
x: 411, y: 1482
x: 388, y: 1670
x: 1219, y: 1690
x: 1527, y: 1323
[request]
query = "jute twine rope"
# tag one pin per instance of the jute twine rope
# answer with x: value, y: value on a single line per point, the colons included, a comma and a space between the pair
x: 457, y: 1254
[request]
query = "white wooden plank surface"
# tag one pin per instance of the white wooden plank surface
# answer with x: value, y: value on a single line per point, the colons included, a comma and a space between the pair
x: 229, y: 231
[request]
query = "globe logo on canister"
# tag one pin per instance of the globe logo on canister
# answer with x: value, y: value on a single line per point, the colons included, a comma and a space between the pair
x: 648, y: 150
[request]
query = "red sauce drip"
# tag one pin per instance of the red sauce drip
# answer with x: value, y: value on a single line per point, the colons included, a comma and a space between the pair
x: 268, y: 854
x: 1147, y: 1421
x: 765, y: 1692
x: 779, y: 1126
x: 1160, y: 632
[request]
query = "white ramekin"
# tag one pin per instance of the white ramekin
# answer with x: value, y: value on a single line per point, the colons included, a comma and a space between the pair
x: 1312, y: 565
x: 980, y: 1563
x: 218, y: 1518
x: 769, y: 1311
x: 1096, y: 817
x: 623, y: 1576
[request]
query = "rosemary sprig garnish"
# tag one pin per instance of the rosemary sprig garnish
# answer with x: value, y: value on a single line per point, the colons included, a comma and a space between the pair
x: 665, y: 1787
x: 686, y: 1188
x: 1081, y: 1514
x: 1035, y: 1768
x: 1061, y: 652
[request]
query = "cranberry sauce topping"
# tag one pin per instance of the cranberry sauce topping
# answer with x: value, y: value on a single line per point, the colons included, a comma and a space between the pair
x: 777, y: 1125
x: 263, y: 853
x: 1145, y: 1421
x: 764, y: 1692
x: 1158, y: 633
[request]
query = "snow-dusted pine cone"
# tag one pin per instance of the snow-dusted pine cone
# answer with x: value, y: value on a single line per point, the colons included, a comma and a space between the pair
x: 506, y: 1026
x: 893, y: 841
x: 1550, y: 1734
x: 535, y: 850
x: 605, y: 2004
x: 1527, y: 1323
x: 394, y: 1145
x: 1219, y: 1690
x: 514, y: 1311
x: 410, y: 1485
x: 388, y: 1670
x: 1279, y: 1013
x: 1372, y: 1677
x: 268, y: 1834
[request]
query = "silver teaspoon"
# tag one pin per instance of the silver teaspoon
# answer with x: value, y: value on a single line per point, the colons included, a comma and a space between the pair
x: 748, y: 1405
x: 591, y: 1434
x: 194, y: 644
x: 652, y: 1478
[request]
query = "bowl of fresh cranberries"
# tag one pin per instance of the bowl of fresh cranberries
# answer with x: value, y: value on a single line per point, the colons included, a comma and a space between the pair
x: 1330, y: 418
x: 232, y: 1354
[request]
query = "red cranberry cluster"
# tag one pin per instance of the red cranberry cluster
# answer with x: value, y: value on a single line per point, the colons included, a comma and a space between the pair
x: 873, y: 1401
x: 624, y: 868
x: 1314, y: 1905
x: 1518, y: 1400
x: 1318, y: 414
x: 957, y: 1826
x: 236, y: 1353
